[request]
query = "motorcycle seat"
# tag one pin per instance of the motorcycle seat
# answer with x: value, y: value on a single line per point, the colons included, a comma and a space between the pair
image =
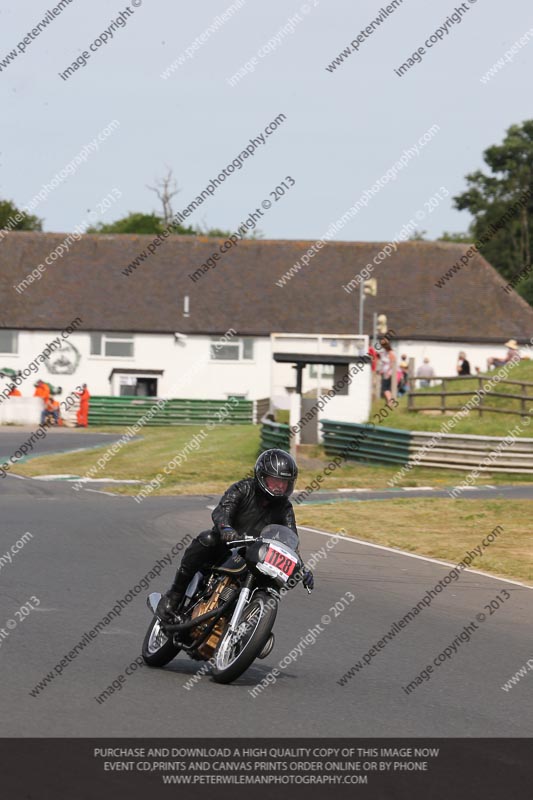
x: 233, y: 565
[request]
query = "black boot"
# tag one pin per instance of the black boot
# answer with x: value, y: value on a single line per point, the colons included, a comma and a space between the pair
x: 171, y: 601
x: 168, y: 605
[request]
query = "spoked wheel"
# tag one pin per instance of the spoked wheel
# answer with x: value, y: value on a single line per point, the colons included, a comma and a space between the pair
x: 237, y: 651
x: 158, y: 649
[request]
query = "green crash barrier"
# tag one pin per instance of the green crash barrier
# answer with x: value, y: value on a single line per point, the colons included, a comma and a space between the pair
x: 129, y: 410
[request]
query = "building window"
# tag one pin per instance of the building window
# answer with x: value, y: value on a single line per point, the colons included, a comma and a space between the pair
x: 96, y: 344
x: 112, y: 345
x: 326, y: 371
x: 9, y: 341
x: 248, y: 349
x: 235, y: 350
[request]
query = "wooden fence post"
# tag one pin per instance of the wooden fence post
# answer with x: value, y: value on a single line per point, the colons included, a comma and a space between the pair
x: 394, y: 380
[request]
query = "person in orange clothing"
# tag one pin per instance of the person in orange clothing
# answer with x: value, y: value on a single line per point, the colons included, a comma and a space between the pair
x: 13, y: 391
x: 42, y: 390
x: 51, y: 409
x: 82, y: 417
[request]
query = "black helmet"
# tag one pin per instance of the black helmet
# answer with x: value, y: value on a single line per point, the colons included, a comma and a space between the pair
x: 276, y: 464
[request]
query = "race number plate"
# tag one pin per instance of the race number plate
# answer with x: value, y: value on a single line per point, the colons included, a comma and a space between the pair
x: 280, y: 560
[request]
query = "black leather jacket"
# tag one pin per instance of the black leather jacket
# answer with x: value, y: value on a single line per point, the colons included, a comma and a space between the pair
x: 247, y: 510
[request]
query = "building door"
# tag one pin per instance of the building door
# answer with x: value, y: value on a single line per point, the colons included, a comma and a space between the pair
x: 146, y: 387
x: 135, y: 386
x: 309, y: 432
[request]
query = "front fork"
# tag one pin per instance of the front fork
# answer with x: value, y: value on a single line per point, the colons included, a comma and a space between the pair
x: 244, y: 596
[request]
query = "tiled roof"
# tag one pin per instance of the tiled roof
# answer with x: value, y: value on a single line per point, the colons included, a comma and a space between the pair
x: 241, y: 292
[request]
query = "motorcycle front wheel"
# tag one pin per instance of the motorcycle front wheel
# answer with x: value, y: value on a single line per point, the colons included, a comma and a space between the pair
x: 235, y: 652
x: 158, y: 649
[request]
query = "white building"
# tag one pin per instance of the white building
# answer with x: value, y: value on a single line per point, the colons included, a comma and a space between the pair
x: 153, y: 329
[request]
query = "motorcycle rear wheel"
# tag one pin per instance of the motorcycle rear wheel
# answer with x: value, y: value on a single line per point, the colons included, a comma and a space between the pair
x: 235, y: 654
x: 158, y: 649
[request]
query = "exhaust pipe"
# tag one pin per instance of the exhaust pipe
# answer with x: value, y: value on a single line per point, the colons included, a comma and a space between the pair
x: 186, y: 626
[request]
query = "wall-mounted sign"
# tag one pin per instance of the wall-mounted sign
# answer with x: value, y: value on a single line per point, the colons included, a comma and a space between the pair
x: 63, y: 361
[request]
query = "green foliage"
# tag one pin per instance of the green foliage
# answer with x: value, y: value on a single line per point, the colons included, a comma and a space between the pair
x: 136, y: 222
x: 9, y: 219
x: 462, y: 238
x: 153, y: 224
x: 201, y: 230
x: 490, y: 196
x: 418, y: 236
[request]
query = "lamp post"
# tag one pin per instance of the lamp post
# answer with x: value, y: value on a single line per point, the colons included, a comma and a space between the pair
x: 369, y: 287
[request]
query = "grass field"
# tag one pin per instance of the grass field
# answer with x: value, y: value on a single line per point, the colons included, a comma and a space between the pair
x: 225, y: 455
x: 438, y: 528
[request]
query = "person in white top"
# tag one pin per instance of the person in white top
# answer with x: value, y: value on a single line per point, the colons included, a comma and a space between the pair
x: 426, y: 372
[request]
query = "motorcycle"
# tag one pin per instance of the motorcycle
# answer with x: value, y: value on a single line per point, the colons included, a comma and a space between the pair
x: 227, y: 614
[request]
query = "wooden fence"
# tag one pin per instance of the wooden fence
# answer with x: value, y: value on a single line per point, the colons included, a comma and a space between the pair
x: 441, y: 393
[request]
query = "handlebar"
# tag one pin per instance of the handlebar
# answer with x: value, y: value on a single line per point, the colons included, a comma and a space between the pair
x: 244, y: 540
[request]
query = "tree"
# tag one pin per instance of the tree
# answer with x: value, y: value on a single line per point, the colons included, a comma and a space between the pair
x: 203, y: 230
x: 13, y: 219
x: 137, y: 222
x: 461, y: 237
x: 166, y: 188
x: 418, y: 236
x: 501, y: 204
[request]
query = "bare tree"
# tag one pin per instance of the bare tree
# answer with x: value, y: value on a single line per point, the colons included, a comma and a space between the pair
x: 166, y: 188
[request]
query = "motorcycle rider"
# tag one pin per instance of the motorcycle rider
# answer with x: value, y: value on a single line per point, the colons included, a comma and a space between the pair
x: 245, y: 509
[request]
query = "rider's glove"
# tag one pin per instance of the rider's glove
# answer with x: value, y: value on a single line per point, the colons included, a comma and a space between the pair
x: 307, y: 579
x: 228, y: 535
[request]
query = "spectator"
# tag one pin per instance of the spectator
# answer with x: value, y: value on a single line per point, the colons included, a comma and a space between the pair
x: 403, y: 384
x: 511, y: 355
x: 51, y: 409
x: 463, y: 366
x: 426, y: 372
x: 82, y: 417
x: 374, y: 355
x: 387, y: 363
x: 42, y: 390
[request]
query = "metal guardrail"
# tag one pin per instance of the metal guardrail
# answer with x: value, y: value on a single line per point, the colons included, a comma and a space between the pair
x: 128, y: 410
x: 261, y: 408
x: 274, y: 434
x: 357, y: 442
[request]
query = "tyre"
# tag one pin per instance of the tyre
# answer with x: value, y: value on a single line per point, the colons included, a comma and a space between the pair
x: 234, y: 654
x: 158, y: 649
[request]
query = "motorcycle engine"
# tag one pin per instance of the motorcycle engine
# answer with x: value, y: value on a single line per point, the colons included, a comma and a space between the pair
x: 221, y: 593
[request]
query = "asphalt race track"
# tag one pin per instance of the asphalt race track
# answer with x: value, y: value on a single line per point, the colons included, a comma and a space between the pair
x: 88, y: 549
x: 57, y: 440
x: 516, y: 492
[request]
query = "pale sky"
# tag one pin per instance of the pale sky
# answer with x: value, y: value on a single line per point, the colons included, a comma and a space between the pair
x: 343, y: 129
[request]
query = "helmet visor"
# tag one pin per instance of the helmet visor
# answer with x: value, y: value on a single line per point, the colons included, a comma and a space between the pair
x: 276, y: 486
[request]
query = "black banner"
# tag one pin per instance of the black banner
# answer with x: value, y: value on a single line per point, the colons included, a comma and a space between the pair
x: 93, y: 769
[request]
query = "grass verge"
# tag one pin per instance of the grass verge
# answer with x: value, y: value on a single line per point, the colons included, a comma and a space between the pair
x: 226, y: 455
x: 437, y: 528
